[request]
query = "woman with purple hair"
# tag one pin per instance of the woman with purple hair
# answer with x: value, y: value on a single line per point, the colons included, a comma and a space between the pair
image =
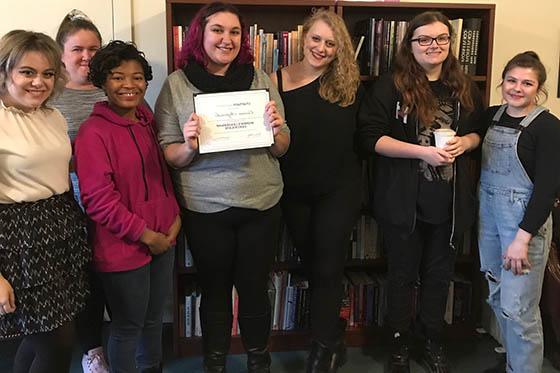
x: 229, y: 200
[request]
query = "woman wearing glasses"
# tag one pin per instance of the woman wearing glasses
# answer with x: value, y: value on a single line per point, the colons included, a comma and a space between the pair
x: 423, y: 195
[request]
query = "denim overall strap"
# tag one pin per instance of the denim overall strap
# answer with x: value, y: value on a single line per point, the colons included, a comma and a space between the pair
x: 501, y: 167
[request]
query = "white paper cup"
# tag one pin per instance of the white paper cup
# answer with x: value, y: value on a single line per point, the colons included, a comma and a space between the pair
x: 442, y: 136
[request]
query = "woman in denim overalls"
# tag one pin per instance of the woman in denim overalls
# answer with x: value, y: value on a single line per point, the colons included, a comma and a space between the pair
x: 519, y: 177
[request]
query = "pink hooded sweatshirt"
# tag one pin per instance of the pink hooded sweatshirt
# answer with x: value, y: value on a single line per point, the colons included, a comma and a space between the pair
x: 125, y: 186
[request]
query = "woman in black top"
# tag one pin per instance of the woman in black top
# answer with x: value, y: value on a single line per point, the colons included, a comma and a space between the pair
x: 321, y: 173
x: 423, y: 195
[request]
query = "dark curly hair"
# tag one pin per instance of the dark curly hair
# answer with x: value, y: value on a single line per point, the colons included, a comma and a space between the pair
x: 111, y: 56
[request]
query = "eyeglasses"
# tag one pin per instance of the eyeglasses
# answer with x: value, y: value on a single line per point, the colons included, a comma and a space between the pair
x: 426, y: 41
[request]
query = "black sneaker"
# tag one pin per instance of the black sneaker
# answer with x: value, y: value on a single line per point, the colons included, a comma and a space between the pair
x: 434, y: 359
x: 399, y: 361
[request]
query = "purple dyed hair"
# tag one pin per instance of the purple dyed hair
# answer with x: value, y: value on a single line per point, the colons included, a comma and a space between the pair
x: 193, y: 48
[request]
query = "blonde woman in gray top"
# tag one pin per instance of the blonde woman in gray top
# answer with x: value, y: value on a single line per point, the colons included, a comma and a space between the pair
x: 229, y: 199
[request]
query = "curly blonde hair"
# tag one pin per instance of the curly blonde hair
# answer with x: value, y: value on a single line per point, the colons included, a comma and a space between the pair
x: 339, y: 83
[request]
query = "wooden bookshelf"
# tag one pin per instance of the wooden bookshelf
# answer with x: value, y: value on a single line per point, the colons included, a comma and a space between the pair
x: 277, y: 15
x: 354, y: 11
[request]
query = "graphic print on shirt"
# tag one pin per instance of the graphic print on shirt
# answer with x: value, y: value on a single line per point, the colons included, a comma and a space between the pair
x: 443, y: 119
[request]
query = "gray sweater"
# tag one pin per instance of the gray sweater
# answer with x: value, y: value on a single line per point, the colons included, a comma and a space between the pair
x: 76, y: 106
x: 213, y: 182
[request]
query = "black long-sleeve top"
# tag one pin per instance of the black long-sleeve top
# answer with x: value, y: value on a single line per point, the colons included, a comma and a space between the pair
x: 395, y: 186
x: 538, y: 149
x: 321, y: 156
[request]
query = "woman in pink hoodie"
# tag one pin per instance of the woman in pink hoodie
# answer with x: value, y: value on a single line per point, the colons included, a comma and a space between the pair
x: 127, y: 193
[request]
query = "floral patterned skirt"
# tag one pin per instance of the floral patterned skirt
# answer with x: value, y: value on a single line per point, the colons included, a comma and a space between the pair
x: 44, y: 255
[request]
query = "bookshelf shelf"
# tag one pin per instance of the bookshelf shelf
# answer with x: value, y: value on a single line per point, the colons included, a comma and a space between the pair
x: 363, y: 264
x: 278, y: 15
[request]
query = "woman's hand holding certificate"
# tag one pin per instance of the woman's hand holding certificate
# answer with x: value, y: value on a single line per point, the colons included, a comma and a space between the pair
x: 273, y: 118
x: 191, y: 131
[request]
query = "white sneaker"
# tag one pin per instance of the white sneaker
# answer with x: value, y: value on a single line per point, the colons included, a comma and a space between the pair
x: 94, y: 361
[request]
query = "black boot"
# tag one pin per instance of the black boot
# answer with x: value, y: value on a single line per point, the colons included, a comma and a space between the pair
x: 434, y: 359
x: 339, y: 353
x: 258, y: 360
x: 399, y: 361
x: 156, y: 369
x: 323, y: 360
x: 255, y: 331
x: 319, y: 360
x: 216, y: 337
x: 215, y: 362
x: 500, y: 366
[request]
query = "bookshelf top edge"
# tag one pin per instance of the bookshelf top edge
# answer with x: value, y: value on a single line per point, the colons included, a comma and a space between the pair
x: 260, y: 2
x: 381, y: 4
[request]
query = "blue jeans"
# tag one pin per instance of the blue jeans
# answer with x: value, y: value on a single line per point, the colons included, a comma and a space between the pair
x: 76, y: 188
x: 136, y: 300
x: 514, y: 299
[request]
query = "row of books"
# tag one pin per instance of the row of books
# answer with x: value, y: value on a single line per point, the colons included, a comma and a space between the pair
x: 364, y: 243
x: 270, y: 50
x: 189, y: 311
x: 364, y: 302
x: 459, y: 301
x: 377, y: 42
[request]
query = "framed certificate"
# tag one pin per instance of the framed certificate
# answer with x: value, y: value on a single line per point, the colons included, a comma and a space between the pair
x: 232, y: 120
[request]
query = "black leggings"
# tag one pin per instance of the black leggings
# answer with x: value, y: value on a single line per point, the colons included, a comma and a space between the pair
x: 233, y: 247
x: 424, y: 254
x: 49, y: 352
x: 320, y: 226
x: 89, y: 322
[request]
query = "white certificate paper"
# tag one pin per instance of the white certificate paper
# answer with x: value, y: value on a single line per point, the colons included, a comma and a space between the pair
x: 232, y: 120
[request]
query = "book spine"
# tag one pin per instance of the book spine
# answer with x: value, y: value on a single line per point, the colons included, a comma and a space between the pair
x: 177, y: 36
x: 474, y: 49
x: 469, y: 44
x: 188, y: 315
x: 235, y: 308
x: 271, y: 291
x: 379, y: 27
x: 197, y: 324
x: 448, y: 316
x: 277, y: 282
x: 189, y: 262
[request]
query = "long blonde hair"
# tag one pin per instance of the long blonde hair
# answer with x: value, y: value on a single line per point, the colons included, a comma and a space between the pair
x: 339, y: 83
